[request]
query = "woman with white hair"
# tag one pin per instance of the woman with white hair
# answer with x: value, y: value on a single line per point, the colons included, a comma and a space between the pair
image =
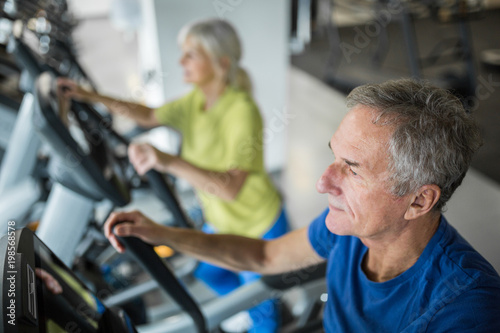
x: 222, y: 148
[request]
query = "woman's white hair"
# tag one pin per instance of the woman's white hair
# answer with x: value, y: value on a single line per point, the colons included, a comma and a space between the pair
x: 219, y: 39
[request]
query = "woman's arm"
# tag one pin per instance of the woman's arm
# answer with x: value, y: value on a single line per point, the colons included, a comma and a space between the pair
x: 225, y: 185
x: 289, y: 252
x: 143, y: 115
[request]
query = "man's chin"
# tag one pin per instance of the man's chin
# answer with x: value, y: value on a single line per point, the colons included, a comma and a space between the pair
x: 336, y: 222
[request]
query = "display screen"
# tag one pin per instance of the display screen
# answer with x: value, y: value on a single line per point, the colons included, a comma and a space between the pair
x: 41, y: 295
x: 64, y: 303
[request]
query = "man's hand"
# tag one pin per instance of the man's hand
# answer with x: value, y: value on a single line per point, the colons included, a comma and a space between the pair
x: 50, y: 282
x: 133, y: 224
x: 145, y: 157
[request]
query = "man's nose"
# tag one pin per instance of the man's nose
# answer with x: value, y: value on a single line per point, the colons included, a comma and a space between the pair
x: 330, y: 180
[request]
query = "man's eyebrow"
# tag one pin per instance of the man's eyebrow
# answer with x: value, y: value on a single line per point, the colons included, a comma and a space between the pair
x: 352, y: 163
x: 348, y: 162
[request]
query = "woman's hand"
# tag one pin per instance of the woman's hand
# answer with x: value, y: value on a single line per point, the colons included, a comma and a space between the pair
x: 133, y: 224
x: 145, y: 157
x: 71, y: 90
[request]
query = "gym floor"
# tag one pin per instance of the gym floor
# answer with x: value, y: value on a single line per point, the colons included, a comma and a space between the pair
x: 317, y: 108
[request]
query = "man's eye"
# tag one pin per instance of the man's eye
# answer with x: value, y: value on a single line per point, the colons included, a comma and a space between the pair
x: 352, y: 171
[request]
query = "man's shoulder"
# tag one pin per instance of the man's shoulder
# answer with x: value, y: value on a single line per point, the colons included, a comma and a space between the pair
x: 461, y: 288
x: 463, y: 279
x: 473, y: 310
x: 460, y: 258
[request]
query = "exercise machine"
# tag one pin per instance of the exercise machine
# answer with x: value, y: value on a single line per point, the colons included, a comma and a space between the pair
x: 88, y: 165
x: 88, y: 171
x: 448, y: 63
x: 38, y: 40
x: 40, y: 294
x: 10, y: 96
x: 19, y: 190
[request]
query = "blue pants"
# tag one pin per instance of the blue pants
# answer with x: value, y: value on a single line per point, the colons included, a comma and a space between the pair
x: 265, y: 316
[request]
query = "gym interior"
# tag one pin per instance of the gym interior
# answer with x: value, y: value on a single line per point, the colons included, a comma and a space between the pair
x: 303, y: 58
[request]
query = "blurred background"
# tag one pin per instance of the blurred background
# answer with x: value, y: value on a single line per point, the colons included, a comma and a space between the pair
x: 303, y: 57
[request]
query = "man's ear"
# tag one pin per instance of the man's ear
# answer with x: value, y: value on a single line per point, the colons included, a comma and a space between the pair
x: 423, y: 201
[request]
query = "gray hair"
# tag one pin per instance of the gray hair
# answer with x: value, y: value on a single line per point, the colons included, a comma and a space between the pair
x: 219, y: 39
x: 434, y: 138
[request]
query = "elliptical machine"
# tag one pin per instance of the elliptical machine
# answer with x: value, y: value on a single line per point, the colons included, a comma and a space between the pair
x: 23, y: 181
x: 40, y: 294
x: 88, y: 170
x: 88, y: 164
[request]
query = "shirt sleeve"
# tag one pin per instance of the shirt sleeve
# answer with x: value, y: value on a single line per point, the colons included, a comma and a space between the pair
x: 243, y: 137
x: 173, y: 114
x: 321, y: 239
x: 477, y: 310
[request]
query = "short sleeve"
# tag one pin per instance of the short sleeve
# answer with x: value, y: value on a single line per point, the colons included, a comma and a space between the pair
x: 477, y: 310
x: 243, y: 137
x: 321, y: 239
x: 173, y: 114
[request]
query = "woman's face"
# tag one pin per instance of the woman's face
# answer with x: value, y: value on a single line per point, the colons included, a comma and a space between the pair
x: 198, y: 68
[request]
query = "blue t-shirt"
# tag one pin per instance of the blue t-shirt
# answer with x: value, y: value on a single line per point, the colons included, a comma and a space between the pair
x: 451, y: 287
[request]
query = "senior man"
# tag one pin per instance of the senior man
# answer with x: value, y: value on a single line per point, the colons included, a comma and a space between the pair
x: 394, y: 262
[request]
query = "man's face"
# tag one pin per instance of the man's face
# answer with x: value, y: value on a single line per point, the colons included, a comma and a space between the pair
x: 356, y: 182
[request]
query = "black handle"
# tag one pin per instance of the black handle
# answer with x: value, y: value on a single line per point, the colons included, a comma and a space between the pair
x: 74, y: 62
x: 163, y: 191
x: 154, y: 265
x: 156, y: 181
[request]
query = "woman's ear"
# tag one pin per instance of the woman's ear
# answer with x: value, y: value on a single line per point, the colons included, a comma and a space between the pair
x: 423, y: 201
x: 221, y: 68
x: 225, y: 63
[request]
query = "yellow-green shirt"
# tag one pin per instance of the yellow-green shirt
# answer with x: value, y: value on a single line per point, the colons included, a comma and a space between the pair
x: 225, y: 137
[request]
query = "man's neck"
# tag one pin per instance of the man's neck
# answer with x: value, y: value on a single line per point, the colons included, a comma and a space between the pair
x: 390, y: 255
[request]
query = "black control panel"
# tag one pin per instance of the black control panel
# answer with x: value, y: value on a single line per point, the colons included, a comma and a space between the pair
x: 40, y: 294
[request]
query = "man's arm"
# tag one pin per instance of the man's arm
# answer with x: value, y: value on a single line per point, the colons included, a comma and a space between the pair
x: 289, y: 252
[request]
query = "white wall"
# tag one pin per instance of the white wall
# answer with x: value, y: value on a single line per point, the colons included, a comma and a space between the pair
x: 89, y: 8
x: 263, y: 29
